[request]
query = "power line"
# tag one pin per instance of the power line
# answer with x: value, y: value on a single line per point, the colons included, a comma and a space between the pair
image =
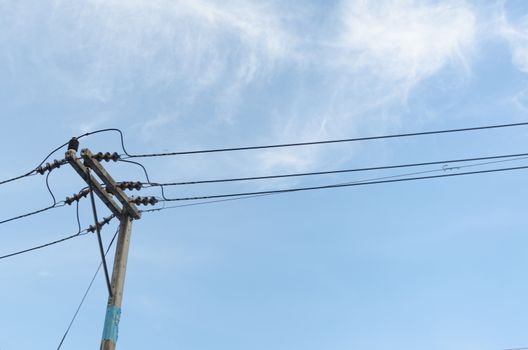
x: 161, y: 186
x: 34, y: 171
x: 80, y: 232
x: 358, y: 182
x: 311, y: 143
x: 31, y: 173
x: 56, y: 205
x: 299, y: 189
x: 518, y: 156
x: 86, y: 293
x: 270, y: 194
x: 203, y: 203
x: 42, y: 245
x: 129, y: 155
x: 140, y: 165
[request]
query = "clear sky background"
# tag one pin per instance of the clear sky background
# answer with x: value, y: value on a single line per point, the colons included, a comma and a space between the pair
x: 439, y: 264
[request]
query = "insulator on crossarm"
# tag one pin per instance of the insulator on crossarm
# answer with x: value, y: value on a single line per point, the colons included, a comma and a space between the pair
x: 77, y: 196
x: 144, y: 200
x: 49, y: 167
x: 105, y: 221
x: 129, y: 185
x: 107, y: 156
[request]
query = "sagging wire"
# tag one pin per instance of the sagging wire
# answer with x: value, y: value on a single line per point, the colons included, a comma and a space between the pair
x: 55, y: 164
x: 79, y: 233
x: 86, y: 292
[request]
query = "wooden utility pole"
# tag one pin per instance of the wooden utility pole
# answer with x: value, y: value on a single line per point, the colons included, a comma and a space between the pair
x: 126, y: 214
x: 113, y: 309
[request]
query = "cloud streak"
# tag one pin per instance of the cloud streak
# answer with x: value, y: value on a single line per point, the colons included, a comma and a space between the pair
x: 516, y: 34
x: 199, y: 43
x: 368, y: 58
x: 189, y: 64
x: 405, y: 40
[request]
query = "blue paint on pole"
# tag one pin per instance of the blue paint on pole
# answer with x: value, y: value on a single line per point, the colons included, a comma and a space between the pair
x: 111, y: 325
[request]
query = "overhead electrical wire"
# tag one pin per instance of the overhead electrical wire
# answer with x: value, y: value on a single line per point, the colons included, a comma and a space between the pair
x: 56, y: 205
x: 86, y: 292
x: 52, y: 206
x: 341, y: 171
x: 77, y: 216
x: 42, y: 245
x: 31, y: 173
x: 80, y: 232
x: 260, y: 147
x: 312, y: 143
x: 359, y: 182
x: 201, y: 203
x: 34, y: 170
x: 129, y: 155
x: 49, y: 189
x: 244, y: 195
x: 161, y: 186
x: 138, y: 164
x: 311, y: 188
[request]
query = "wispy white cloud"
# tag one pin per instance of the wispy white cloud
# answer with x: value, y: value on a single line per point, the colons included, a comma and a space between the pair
x: 195, y: 44
x: 349, y: 70
x: 516, y: 34
x: 362, y: 64
x: 370, y: 56
x: 405, y: 40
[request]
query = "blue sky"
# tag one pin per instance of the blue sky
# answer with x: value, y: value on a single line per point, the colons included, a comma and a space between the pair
x: 438, y: 264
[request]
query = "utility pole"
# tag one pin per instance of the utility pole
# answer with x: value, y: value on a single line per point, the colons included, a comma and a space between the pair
x: 126, y: 213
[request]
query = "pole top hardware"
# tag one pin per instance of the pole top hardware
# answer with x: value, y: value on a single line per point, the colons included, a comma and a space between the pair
x: 73, y: 144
